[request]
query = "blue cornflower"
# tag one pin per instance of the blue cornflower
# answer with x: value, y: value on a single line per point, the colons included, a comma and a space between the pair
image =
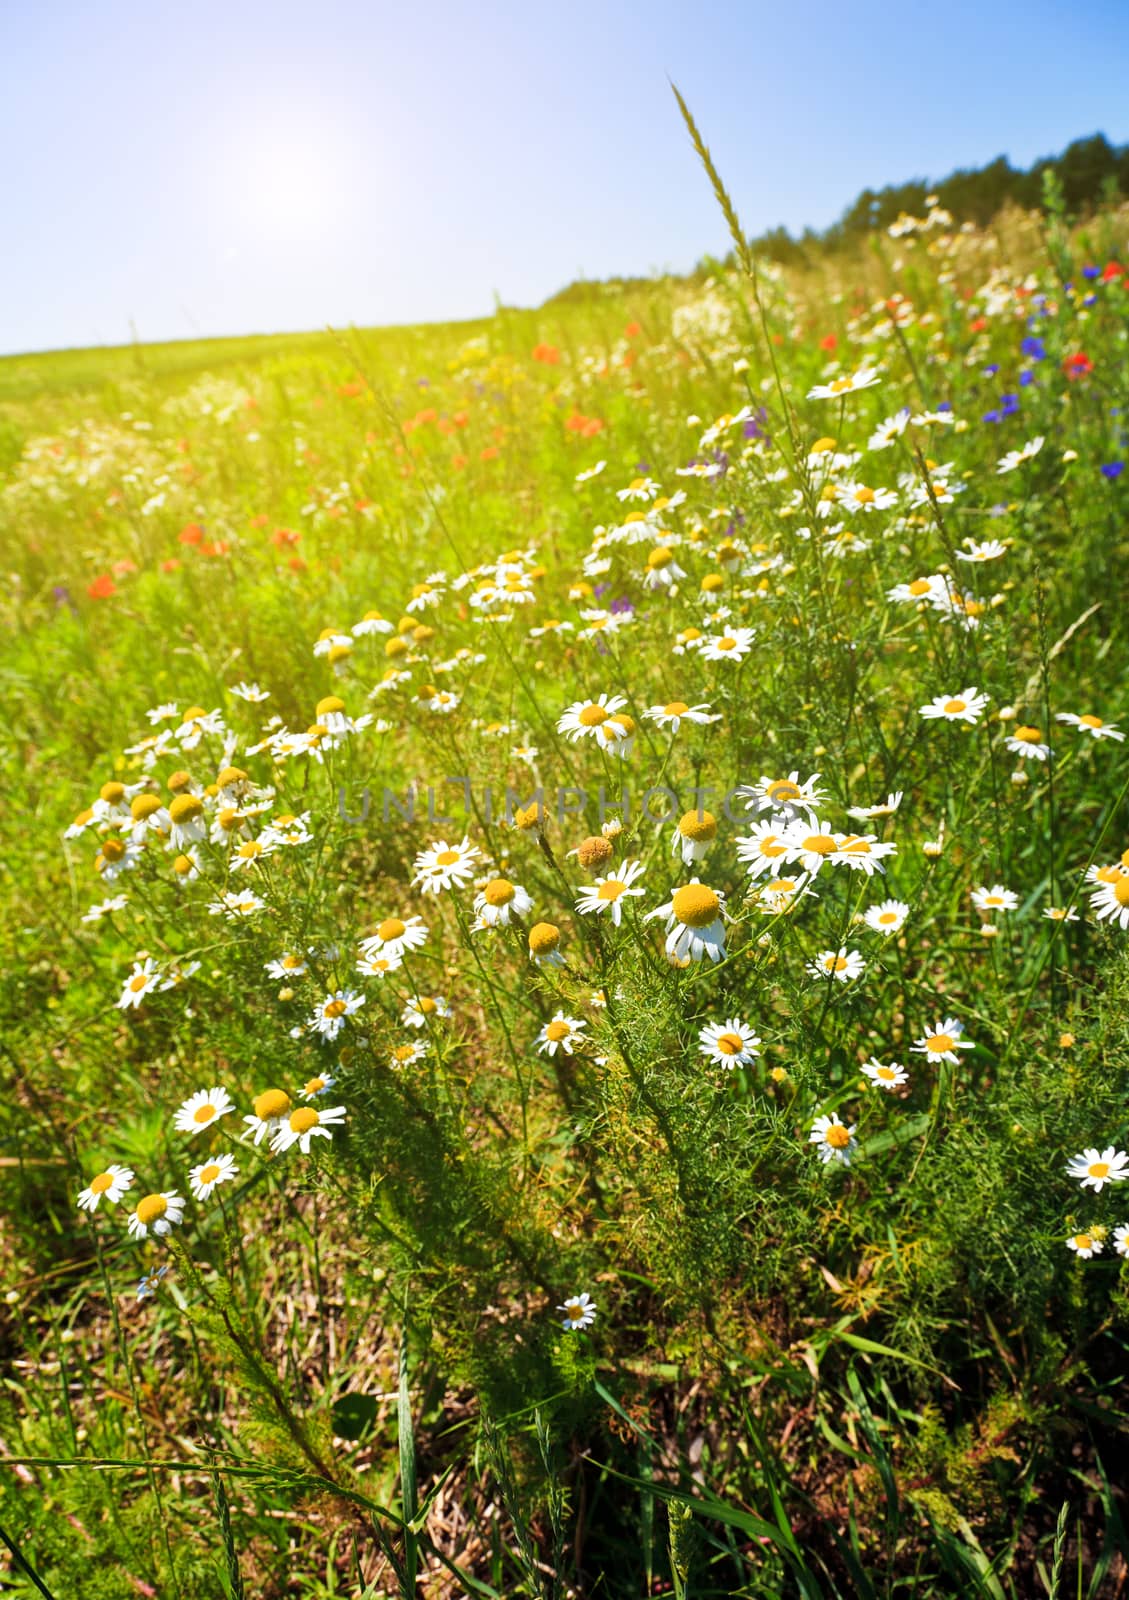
x: 1009, y: 404
x: 1034, y: 348
x: 1113, y: 469
x: 990, y: 372
x: 1091, y: 272
x: 992, y: 416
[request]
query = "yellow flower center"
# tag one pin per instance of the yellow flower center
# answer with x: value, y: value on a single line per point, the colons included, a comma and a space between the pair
x: 783, y: 789
x: 185, y: 807
x: 335, y: 1008
x: 727, y: 643
x: 695, y: 906
x: 1028, y: 735
x: 938, y: 1043
x: 302, y: 1120
x: 230, y: 775
x: 660, y: 557
x: 315, y: 1085
x: 592, y: 716
x: 104, y: 1181
x: 292, y: 962
x: 730, y: 1044
x: 183, y: 865
x: 698, y: 826
x: 112, y: 849
x: 855, y: 846
x: 955, y: 706
x: 556, y: 1031
x: 446, y: 858
x: 209, y: 1174
x: 1098, y: 1169
x: 837, y: 1136
x: 152, y: 1207
x: 144, y: 805
x: 113, y: 793
x: 271, y: 1103
x: 543, y: 938
x: 1090, y: 721
x: 611, y: 889
x: 676, y: 708
x: 498, y: 892
x: 1084, y: 1241
x: 864, y: 496
x: 822, y: 446
x: 390, y: 928
x: 1121, y: 891
x: 194, y: 713
x: 887, y: 917
x: 819, y: 844
x: 249, y: 850
x: 920, y: 586
x: 138, y: 982
x: 712, y: 582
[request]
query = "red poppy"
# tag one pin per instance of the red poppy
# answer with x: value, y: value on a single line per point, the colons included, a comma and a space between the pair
x: 172, y: 564
x: 460, y: 419
x: 977, y: 325
x: 284, y: 536
x: 260, y: 521
x: 459, y: 462
x: 547, y: 353
x: 828, y: 342
x: 633, y: 330
x: 102, y: 587
x: 488, y: 453
x: 1112, y: 269
x: 191, y: 533
x: 1078, y: 365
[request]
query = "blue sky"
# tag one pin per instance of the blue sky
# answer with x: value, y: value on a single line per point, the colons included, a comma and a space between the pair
x: 224, y: 168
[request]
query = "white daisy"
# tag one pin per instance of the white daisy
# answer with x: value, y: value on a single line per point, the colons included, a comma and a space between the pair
x: 997, y: 898
x: 203, y: 1108
x: 964, y: 707
x: 834, y: 1140
x: 730, y: 1044
x: 887, y: 918
x: 425, y: 1009
x: 156, y: 1213
x: 304, y: 1124
x: 328, y: 1018
x: 267, y: 1112
x: 1110, y: 901
x: 583, y: 718
x: 609, y: 893
x: 942, y: 1041
x: 694, y: 925
x: 672, y: 715
x: 579, y: 1312
x: 394, y: 937
x: 883, y: 1076
x: 499, y: 902
x: 1088, y: 723
x: 562, y: 1033
x: 110, y: 1185
x: 842, y: 964
x: 142, y: 981
x: 1095, y: 1168
x: 1086, y: 1245
x: 209, y: 1174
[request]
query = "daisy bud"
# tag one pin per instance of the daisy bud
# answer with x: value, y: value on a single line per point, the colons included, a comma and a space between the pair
x: 1019, y: 777
x: 932, y: 848
x: 988, y: 930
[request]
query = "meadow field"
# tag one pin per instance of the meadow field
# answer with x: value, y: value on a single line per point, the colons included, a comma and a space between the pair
x: 565, y: 1013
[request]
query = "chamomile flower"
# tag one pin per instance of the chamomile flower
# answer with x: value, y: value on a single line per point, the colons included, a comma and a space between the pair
x: 562, y: 1033
x: 997, y: 898
x: 1086, y: 1245
x: 864, y: 852
x: 267, y: 1112
x: 765, y: 850
x: 733, y: 645
x: 1087, y: 722
x: 142, y: 981
x: 148, y: 816
x: 1121, y: 1239
x: 885, y: 808
x: 394, y: 937
x: 305, y: 1123
x: 328, y: 1018
x: 981, y: 550
x: 616, y: 735
x: 638, y: 489
x: 942, y: 1041
x: 579, y: 1312
x: 499, y: 902
x: 378, y: 965
x: 371, y: 623
x: 109, y: 1185
x: 885, y: 1076
x: 1028, y: 742
x: 730, y: 1044
x: 842, y: 964
x: 1110, y: 901
x: 609, y: 894
x: 1016, y: 458
x: 834, y: 1140
x: 422, y: 1011
x: 584, y: 718
x: 210, y: 1174
x: 693, y: 834
x: 544, y: 945
x: 694, y: 925
x: 287, y: 967
x: 116, y: 856
x: 864, y: 378
x: 151, y: 1282
x: 786, y: 798
x: 1095, y: 1168
x: 250, y: 692
x: 671, y: 716
x: 965, y: 707
x: 812, y: 843
x: 780, y: 895
x: 156, y: 1213
x: 203, y: 1108
x: 236, y: 907
x: 406, y: 1055
x: 887, y: 918
x: 1061, y: 914
x: 445, y: 866
x: 318, y: 1085
x: 919, y: 591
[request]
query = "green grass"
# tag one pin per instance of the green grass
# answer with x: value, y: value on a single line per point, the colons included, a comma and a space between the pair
x: 804, y: 1379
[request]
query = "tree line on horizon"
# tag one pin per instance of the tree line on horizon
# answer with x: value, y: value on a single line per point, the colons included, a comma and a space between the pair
x: 1090, y: 172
